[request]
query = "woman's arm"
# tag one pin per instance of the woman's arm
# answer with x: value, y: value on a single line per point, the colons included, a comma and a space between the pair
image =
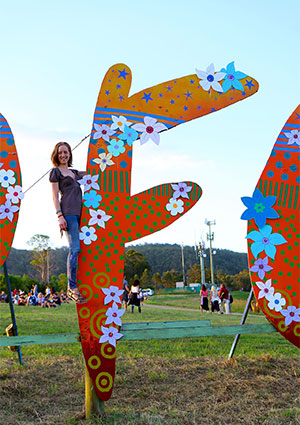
x: 61, y: 220
x: 81, y: 174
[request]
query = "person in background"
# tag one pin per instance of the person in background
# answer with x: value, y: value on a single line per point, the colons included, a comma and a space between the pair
x: 224, y: 297
x: 125, y: 295
x: 134, y: 300
x: 204, y: 299
x: 214, y: 299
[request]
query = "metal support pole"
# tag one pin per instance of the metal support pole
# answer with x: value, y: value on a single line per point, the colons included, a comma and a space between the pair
x: 12, y: 311
x: 182, y: 260
x: 210, y: 237
x: 243, y: 320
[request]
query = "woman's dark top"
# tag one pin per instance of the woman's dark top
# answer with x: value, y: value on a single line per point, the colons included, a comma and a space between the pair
x: 71, y: 195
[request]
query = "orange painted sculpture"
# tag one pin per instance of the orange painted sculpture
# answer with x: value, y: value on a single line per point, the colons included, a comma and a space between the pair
x: 10, y: 189
x: 274, y: 237
x: 111, y: 215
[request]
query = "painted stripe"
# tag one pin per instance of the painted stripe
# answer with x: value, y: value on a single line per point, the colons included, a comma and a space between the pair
x: 296, y: 197
x: 276, y: 189
x: 291, y: 125
x: 286, y: 191
x: 163, y: 190
x: 291, y: 196
x: 101, y: 121
x: 270, y: 188
x: 280, y: 194
x: 4, y: 136
x: 105, y: 181
x: 260, y: 184
x: 158, y: 191
x: 154, y: 190
x: 116, y: 174
x: 127, y: 181
x: 296, y: 150
x: 122, y: 182
x: 138, y: 114
x: 109, y: 181
x: 265, y: 188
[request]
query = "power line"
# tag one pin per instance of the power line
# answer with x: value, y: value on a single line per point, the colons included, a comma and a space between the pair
x: 82, y: 140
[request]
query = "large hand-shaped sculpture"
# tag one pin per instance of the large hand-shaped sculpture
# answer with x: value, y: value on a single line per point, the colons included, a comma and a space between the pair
x: 274, y: 236
x: 111, y: 216
x: 10, y: 189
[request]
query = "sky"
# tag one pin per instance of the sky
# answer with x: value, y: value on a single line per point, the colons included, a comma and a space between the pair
x: 56, y: 53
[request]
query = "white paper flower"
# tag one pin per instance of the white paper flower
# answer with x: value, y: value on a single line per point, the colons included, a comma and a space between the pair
x: 294, y: 137
x: 7, y: 178
x: 112, y: 293
x: 113, y: 315
x: 89, y: 182
x: 181, y: 190
x: 98, y: 217
x: 266, y: 289
x: 149, y: 130
x: 7, y: 210
x: 175, y: 206
x: 104, y: 160
x: 103, y: 132
x: 87, y: 234
x: 276, y: 302
x: 110, y: 335
x: 210, y: 78
x: 119, y: 122
x: 14, y: 194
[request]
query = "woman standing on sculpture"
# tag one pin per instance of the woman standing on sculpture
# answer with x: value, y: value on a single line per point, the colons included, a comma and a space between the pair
x: 67, y: 199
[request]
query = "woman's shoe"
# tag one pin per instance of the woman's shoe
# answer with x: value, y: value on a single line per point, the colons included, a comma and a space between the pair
x: 76, y: 296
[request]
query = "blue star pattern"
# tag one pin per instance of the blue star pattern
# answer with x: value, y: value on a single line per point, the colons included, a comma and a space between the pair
x: 147, y: 97
x: 123, y: 74
x: 249, y: 84
x: 188, y: 95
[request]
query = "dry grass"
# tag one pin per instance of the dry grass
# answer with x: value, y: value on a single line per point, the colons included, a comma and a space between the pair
x: 187, y: 391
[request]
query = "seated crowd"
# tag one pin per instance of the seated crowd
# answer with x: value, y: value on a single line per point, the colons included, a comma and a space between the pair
x: 51, y: 298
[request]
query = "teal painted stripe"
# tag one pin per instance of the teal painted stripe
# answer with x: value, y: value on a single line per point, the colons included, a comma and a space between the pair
x: 291, y: 196
x: 296, y: 197
x: 270, y: 188
x: 276, y: 189
x: 116, y: 174
x: 286, y: 191
x: 265, y: 187
x: 158, y: 190
x: 280, y: 194
x: 110, y: 181
x: 260, y: 184
x: 163, y: 190
x: 154, y: 191
x: 105, y: 181
x: 127, y: 182
x: 122, y: 182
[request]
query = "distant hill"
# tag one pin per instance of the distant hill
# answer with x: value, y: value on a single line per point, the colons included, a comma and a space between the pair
x: 162, y: 257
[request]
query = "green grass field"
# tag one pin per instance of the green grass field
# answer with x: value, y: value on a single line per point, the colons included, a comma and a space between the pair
x: 171, y: 381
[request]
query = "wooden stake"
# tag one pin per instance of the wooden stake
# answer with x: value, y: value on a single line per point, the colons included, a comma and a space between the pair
x: 93, y: 404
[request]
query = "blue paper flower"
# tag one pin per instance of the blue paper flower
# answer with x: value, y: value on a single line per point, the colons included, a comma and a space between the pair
x: 259, y: 208
x: 130, y: 135
x: 265, y: 240
x: 116, y: 147
x: 91, y: 199
x: 232, y: 78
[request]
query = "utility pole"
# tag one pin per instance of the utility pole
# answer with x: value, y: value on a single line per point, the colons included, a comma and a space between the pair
x: 182, y: 261
x: 210, y: 238
x: 202, y: 255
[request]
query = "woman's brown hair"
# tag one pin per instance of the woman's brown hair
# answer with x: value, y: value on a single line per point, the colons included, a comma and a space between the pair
x: 54, y: 156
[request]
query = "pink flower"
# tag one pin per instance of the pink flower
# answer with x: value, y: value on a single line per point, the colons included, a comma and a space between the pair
x: 291, y: 314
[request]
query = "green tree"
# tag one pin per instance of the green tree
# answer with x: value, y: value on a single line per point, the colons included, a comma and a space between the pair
x: 242, y: 280
x: 135, y: 264
x: 146, y: 278
x: 41, y: 256
x: 157, y: 280
x: 227, y: 279
x: 194, y: 274
x: 169, y: 278
x: 62, y: 282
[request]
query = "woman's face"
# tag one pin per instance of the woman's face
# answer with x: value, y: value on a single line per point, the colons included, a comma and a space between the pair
x: 63, y: 155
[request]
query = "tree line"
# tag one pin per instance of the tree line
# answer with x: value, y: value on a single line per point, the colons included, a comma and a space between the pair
x: 155, y: 265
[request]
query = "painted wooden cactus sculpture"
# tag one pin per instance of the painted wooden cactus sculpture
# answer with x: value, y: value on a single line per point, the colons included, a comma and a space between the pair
x: 111, y: 216
x: 10, y: 189
x: 273, y: 238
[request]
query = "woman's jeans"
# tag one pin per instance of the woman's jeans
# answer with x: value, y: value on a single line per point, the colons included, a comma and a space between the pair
x: 72, y: 233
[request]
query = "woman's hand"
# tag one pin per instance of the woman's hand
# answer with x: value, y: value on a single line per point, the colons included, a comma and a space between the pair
x: 62, y: 223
